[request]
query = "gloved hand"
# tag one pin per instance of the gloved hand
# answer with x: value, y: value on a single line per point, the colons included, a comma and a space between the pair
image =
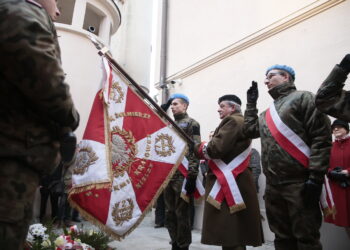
x: 345, y: 63
x: 337, y: 175
x: 190, y: 186
x: 68, y: 142
x: 166, y: 105
x: 253, y: 93
x: 312, y: 192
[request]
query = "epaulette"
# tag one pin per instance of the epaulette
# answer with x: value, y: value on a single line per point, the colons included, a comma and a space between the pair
x: 34, y: 3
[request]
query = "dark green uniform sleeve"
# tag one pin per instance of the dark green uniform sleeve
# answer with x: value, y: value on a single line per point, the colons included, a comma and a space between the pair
x: 30, y: 61
x: 251, y: 121
x: 331, y: 98
x: 318, y: 129
x: 192, y: 159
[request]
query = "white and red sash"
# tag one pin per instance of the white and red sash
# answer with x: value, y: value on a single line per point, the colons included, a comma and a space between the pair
x: 225, y: 186
x: 288, y: 140
x: 199, y: 192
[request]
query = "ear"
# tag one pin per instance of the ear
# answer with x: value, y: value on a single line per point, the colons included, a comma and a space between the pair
x: 233, y: 107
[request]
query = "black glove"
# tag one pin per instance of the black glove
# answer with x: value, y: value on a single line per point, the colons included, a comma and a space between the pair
x: 345, y: 63
x: 253, y: 93
x: 166, y: 105
x: 336, y: 175
x: 312, y: 192
x: 190, y: 186
x: 68, y: 142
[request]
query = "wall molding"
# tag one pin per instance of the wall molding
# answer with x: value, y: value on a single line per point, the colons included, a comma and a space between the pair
x: 256, y: 37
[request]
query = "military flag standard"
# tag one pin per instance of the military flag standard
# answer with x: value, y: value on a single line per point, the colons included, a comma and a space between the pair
x: 126, y: 157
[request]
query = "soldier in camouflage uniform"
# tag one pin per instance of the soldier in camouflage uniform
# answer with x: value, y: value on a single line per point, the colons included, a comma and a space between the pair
x: 331, y: 98
x: 177, y: 210
x: 35, y: 106
x: 292, y: 190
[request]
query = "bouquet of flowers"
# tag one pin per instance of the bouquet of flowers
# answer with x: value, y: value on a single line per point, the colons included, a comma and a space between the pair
x: 44, y: 238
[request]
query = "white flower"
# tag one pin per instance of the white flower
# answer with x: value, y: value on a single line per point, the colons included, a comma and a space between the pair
x: 30, y: 238
x: 46, y: 243
x: 36, y: 231
x: 60, y: 241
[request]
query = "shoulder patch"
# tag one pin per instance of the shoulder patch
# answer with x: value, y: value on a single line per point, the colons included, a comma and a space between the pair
x: 34, y: 3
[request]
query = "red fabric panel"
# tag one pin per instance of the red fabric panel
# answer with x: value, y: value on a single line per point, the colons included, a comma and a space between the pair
x: 95, y: 126
x: 95, y: 202
x: 140, y: 127
x: 150, y: 186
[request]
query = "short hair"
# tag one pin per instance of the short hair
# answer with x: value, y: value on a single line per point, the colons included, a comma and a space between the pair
x: 238, y: 108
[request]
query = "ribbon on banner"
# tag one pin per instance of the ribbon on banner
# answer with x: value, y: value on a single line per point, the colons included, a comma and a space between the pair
x: 288, y: 140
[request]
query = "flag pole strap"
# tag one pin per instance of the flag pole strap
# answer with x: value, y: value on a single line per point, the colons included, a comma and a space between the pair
x: 105, y: 52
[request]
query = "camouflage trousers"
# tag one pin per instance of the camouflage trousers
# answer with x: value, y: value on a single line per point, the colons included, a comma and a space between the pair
x: 177, y: 215
x: 296, y: 227
x: 18, y: 184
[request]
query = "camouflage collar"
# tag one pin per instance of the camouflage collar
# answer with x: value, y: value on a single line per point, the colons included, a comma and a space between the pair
x: 282, y: 90
x: 180, y: 116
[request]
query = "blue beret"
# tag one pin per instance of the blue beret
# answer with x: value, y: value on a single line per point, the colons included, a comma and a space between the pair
x: 181, y: 96
x: 282, y: 67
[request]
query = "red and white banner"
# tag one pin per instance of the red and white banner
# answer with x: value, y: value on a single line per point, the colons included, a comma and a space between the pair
x: 127, y: 156
x: 298, y: 149
x: 225, y: 186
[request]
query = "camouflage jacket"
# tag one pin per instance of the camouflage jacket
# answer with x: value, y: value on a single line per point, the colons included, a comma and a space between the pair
x: 331, y: 98
x: 35, y: 103
x: 192, y: 128
x: 297, y: 110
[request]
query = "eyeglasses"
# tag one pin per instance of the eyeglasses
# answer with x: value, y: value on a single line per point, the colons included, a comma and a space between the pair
x: 269, y: 76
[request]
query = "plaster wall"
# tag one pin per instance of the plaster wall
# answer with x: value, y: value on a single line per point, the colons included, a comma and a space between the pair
x: 311, y: 45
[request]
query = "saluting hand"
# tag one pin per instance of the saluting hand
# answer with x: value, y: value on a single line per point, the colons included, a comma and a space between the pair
x: 253, y: 93
x: 345, y: 63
